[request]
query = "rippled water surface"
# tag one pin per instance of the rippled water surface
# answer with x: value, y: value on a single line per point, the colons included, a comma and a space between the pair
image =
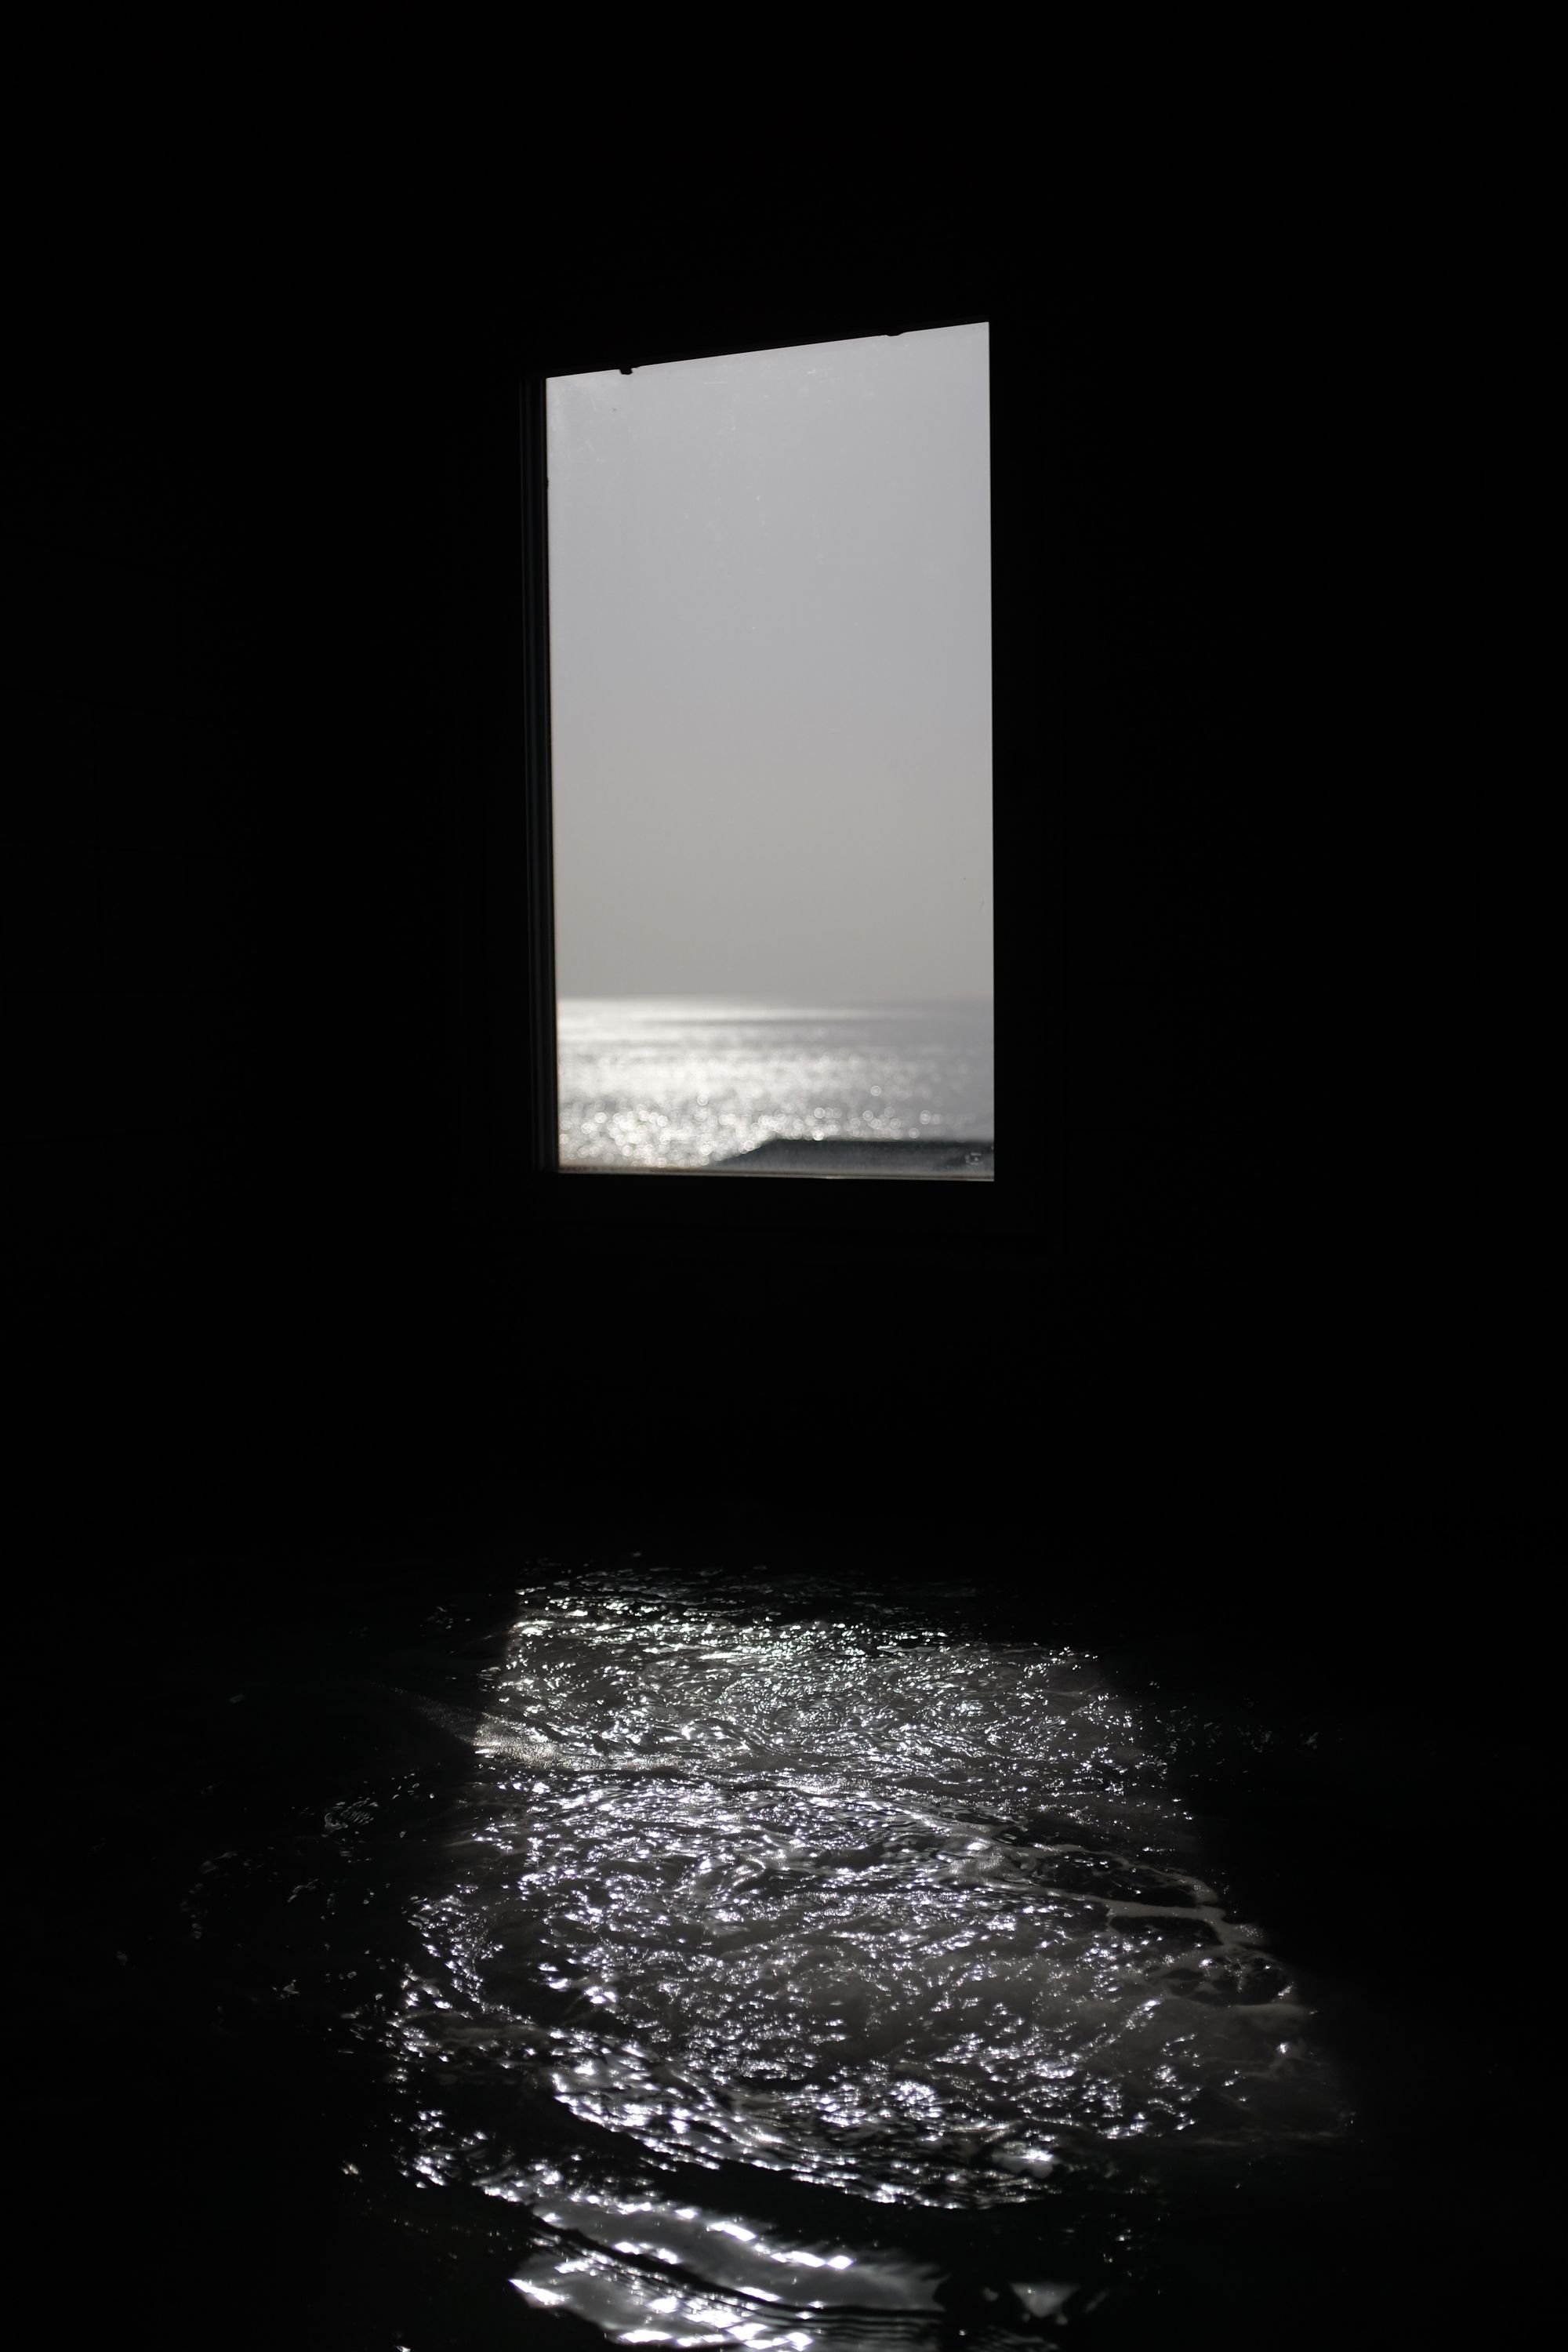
x: 803, y: 1971
x: 667, y: 1082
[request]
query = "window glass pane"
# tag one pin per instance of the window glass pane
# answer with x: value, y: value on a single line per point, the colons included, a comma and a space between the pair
x: 771, y: 719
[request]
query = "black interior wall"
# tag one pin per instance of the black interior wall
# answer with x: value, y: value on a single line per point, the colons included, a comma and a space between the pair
x: 250, y: 1256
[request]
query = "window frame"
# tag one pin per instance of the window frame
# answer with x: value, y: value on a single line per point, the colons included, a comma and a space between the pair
x: 524, y: 1182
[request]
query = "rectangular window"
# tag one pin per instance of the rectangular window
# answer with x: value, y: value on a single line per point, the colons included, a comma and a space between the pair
x: 770, y: 744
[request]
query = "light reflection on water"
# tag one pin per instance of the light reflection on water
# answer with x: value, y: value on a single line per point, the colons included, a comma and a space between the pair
x: 776, y: 1893
x: 681, y: 1083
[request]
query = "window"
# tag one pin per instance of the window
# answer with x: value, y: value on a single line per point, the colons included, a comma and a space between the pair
x: 601, y: 984
x: 768, y: 670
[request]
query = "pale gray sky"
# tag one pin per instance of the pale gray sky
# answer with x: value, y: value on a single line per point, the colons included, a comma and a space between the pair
x: 771, y: 673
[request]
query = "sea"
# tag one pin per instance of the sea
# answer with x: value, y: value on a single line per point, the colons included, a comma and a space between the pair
x: 687, y: 1082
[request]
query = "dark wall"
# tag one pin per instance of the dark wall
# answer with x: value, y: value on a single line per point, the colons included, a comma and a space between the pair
x: 246, y: 1222
x: 223, y: 938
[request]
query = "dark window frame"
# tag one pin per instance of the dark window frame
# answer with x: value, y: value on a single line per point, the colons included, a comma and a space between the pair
x: 524, y: 1182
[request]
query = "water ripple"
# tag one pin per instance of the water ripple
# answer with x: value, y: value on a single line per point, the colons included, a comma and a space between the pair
x: 788, y: 1886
